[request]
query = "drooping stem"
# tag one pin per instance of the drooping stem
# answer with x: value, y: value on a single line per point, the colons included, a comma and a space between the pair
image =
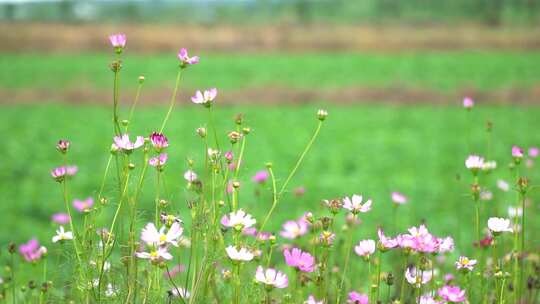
x: 173, y: 100
x: 274, y: 199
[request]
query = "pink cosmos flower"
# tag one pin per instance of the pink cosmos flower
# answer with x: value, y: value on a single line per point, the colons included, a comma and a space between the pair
x: 385, y: 242
x: 123, y: 143
x: 60, y: 218
x: 151, y: 236
x: 398, y: 198
x: 311, y: 300
x: 357, y: 298
x: 464, y: 263
x: 159, y: 141
x: 260, y: 177
x: 365, y: 248
x: 229, y: 156
x: 445, y: 244
x: 355, y: 205
x: 83, y: 205
x: 417, y: 278
x: 239, y: 255
x: 60, y: 173
x: 452, y: 294
x: 297, y: 258
x: 428, y: 299
x: 31, y: 251
x: 190, y: 176
x: 159, y: 161
x: 118, y: 41
x: 156, y: 255
x: 271, y: 277
x: 468, y: 103
x: 205, y: 98
x: 517, y: 152
x: 185, y: 60
x: 294, y: 229
x: 533, y: 152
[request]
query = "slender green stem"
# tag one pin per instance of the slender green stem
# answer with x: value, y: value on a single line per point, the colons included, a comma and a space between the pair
x: 134, y: 104
x: 274, y: 199
x: 173, y: 100
x: 379, y: 262
x: 348, y: 247
x: 117, y: 129
x: 13, y: 281
x: 310, y: 143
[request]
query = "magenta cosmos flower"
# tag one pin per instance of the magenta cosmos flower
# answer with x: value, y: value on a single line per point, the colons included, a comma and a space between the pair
x: 159, y: 141
x: 533, y: 152
x: 118, y: 41
x: 60, y: 218
x: 260, y: 177
x: 517, y: 152
x: 297, y: 258
x: 60, y: 173
x: 468, y: 103
x: 185, y: 60
x: 357, y: 298
x: 205, y: 98
x: 123, y: 143
x: 271, y: 277
x: 398, y: 198
x: 31, y: 251
x: 83, y: 205
x: 452, y: 294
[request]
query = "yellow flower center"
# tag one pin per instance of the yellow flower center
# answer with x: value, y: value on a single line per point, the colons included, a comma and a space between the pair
x: 162, y: 238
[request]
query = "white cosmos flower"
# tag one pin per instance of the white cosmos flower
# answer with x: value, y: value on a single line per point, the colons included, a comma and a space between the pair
x: 489, y: 165
x: 239, y: 255
x: 417, y: 278
x: 503, y: 185
x: 205, y: 97
x: 498, y: 225
x: 239, y: 220
x: 190, y: 176
x: 474, y: 162
x: 155, y: 255
x: 271, y: 277
x: 355, y: 205
x: 151, y: 236
x: 62, y: 235
x: 179, y: 292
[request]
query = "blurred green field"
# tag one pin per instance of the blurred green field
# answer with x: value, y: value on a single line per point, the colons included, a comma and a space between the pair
x: 436, y: 71
x: 369, y: 150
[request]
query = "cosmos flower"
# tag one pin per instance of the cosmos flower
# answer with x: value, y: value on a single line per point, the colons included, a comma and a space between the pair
x: 155, y: 255
x: 151, y: 236
x: 417, y: 278
x: 123, y: 143
x: 241, y: 255
x: 60, y: 218
x: 185, y: 60
x: 398, y: 198
x: 464, y: 263
x: 517, y: 152
x: 205, y: 98
x: 190, y: 176
x: 498, y: 225
x: 311, y: 300
x: 60, y: 173
x: 474, y: 163
x: 385, y: 242
x: 533, y: 152
x: 31, y: 251
x: 357, y: 298
x: 468, y: 103
x: 355, y: 205
x: 271, y: 277
x: 159, y: 141
x: 452, y: 294
x: 297, y: 258
x: 83, y: 205
x: 159, y: 161
x: 63, y: 145
x: 260, y: 177
x: 179, y: 292
x: 294, y: 229
x: 118, y: 41
x: 365, y: 248
x: 238, y: 220
x: 62, y: 235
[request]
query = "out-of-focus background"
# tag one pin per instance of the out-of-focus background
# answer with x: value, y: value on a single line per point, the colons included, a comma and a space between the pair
x: 391, y: 73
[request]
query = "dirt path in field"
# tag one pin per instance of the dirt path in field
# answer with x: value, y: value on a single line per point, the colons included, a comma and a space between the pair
x: 155, y: 38
x: 280, y: 95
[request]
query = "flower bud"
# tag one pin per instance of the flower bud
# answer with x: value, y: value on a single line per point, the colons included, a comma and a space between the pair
x: 131, y: 166
x: 12, y: 247
x: 115, y: 66
x: 201, y: 132
x: 124, y: 122
x: 141, y: 79
x: 523, y: 184
x: 246, y: 130
x: 62, y: 145
x: 239, y: 118
x: 322, y: 114
x: 234, y: 136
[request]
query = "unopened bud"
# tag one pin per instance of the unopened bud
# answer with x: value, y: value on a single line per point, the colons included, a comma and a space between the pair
x: 201, y: 132
x: 12, y: 248
x: 131, y: 166
x: 246, y: 130
x: 125, y: 122
x: 141, y: 79
x: 239, y: 118
x: 234, y: 136
x: 322, y: 114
